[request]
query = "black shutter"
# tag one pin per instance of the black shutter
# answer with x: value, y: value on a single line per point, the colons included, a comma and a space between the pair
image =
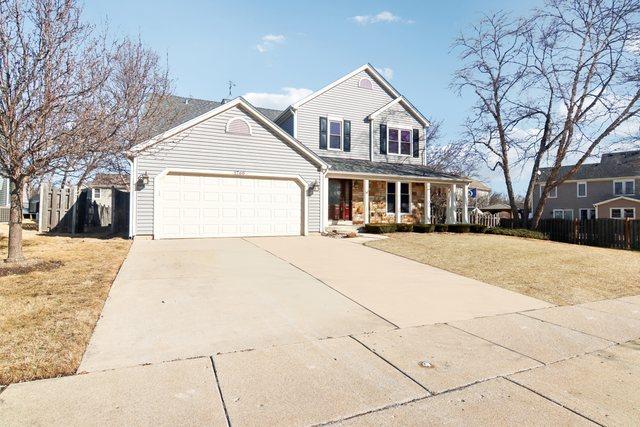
x: 383, y: 138
x: 416, y: 143
x: 323, y: 133
x: 346, y: 146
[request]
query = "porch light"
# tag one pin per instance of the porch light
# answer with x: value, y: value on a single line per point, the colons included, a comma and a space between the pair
x: 144, y: 178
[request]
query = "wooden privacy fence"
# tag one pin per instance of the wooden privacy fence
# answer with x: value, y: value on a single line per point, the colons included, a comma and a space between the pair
x: 604, y: 232
x: 57, y: 212
x: 65, y: 210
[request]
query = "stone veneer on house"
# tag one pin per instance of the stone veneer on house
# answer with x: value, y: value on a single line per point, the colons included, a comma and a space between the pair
x: 378, y: 203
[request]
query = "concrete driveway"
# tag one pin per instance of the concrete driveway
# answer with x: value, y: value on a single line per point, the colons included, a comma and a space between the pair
x: 176, y: 299
x: 307, y: 331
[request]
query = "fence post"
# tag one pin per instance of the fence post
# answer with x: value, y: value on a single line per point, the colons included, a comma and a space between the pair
x: 41, y: 208
x: 74, y: 211
x: 112, y: 226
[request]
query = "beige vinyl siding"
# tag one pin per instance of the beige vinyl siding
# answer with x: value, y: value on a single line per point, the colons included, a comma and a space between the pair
x: 346, y: 101
x: 396, y: 115
x: 207, y: 147
x: 4, y: 191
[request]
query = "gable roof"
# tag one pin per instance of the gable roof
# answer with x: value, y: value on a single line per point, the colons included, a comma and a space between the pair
x: 104, y: 180
x: 632, y: 198
x: 612, y: 165
x: 366, y: 67
x: 479, y: 185
x: 236, y: 102
x: 401, y: 100
x: 180, y: 109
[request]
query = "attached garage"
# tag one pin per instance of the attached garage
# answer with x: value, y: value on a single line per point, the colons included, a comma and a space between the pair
x: 192, y: 205
x: 230, y: 172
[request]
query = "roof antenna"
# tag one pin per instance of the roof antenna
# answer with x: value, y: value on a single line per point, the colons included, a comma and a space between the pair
x: 231, y: 85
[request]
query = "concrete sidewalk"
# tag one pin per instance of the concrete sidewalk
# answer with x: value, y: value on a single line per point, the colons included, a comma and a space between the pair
x: 474, y: 372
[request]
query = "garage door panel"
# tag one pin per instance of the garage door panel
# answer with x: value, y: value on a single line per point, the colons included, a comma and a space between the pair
x: 209, y: 206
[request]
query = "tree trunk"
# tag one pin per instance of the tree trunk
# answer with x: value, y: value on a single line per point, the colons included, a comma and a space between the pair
x: 15, y: 222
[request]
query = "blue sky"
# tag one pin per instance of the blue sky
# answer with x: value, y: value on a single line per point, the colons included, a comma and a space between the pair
x: 282, y: 49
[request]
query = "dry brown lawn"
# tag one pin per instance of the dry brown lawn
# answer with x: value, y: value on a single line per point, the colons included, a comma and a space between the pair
x: 555, y: 272
x: 47, y: 317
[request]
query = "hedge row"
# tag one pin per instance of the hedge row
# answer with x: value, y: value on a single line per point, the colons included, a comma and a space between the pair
x: 517, y: 232
x: 424, y: 228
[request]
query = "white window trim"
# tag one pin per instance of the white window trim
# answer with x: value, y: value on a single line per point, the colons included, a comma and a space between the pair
x: 226, y: 129
x: 93, y: 195
x: 624, y: 181
x: 335, y: 119
x: 400, y: 128
x: 622, y: 212
x: 588, y: 210
x: 365, y: 78
x: 553, y: 214
x: 549, y: 196
x: 586, y: 189
x: 386, y: 197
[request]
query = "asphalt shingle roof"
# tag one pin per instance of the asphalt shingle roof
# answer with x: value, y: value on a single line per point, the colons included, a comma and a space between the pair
x: 612, y: 165
x: 180, y: 109
x: 383, y: 168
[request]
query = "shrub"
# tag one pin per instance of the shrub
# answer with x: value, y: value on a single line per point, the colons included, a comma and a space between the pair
x: 404, y: 227
x: 517, y: 232
x: 379, y: 228
x: 477, y: 228
x: 441, y: 228
x: 459, y: 228
x: 423, y: 228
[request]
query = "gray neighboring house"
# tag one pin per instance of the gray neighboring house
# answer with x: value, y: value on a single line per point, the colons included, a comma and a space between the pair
x: 609, y: 189
x: 349, y: 153
x: 4, y: 199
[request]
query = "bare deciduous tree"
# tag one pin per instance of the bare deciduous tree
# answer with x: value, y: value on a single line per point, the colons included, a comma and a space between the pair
x: 552, y: 87
x: 68, y: 101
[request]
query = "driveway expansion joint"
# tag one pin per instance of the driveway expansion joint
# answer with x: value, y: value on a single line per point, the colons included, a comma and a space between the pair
x: 576, y: 330
x: 324, y: 283
x: 224, y: 405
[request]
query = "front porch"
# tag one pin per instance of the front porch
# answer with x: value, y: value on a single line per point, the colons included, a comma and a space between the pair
x: 363, y: 200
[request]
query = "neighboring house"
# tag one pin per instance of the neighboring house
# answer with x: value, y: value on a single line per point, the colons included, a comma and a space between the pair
x: 478, y: 194
x: 100, y: 196
x: 503, y: 210
x: 609, y: 189
x: 349, y: 153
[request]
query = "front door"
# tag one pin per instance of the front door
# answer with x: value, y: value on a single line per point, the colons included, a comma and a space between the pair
x: 340, y: 199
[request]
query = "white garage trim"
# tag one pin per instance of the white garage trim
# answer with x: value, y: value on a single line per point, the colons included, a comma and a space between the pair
x: 157, y: 204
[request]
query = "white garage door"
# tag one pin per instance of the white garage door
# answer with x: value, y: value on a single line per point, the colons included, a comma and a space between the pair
x: 214, y: 206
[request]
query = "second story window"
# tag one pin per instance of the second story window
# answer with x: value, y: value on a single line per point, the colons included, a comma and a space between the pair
x: 553, y: 193
x: 399, y: 141
x: 335, y: 134
x: 621, y: 187
x: 582, y: 189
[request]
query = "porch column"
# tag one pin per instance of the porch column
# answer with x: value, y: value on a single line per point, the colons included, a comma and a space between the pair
x: 427, y: 203
x: 398, y: 202
x: 451, y: 205
x: 365, y: 191
x: 324, y: 211
x: 465, y: 203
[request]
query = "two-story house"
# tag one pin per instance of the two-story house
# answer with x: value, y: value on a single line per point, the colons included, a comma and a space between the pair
x: 609, y: 189
x: 351, y: 152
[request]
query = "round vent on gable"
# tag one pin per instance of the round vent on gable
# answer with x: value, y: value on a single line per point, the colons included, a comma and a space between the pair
x: 238, y: 126
x: 365, y: 83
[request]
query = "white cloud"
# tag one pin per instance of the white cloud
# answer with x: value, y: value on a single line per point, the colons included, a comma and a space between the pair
x: 386, y: 72
x: 269, y: 41
x: 384, y: 16
x: 288, y: 96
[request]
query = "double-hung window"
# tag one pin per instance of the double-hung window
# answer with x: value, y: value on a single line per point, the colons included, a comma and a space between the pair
x: 96, y: 193
x: 553, y: 193
x: 399, y: 141
x: 563, y: 213
x: 391, y: 197
x: 405, y: 197
x: 335, y: 134
x: 581, y: 189
x: 623, y: 213
x: 624, y: 187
